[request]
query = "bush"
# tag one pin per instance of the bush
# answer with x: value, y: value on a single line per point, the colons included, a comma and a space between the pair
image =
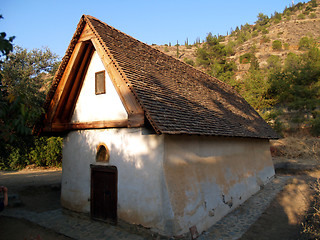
x: 313, y: 15
x: 286, y: 46
x: 189, y: 61
x: 43, y: 151
x: 301, y: 16
x: 315, y: 127
x: 313, y: 3
x: 254, y: 33
x: 47, y: 152
x: 276, y: 21
x: 265, y: 39
x: 277, y: 45
x: 245, y: 58
x: 306, y: 43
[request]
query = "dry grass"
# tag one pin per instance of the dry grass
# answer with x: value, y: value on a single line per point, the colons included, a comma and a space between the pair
x: 297, y: 148
x: 311, y: 227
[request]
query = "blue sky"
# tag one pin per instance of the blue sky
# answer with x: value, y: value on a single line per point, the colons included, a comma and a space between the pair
x: 51, y: 23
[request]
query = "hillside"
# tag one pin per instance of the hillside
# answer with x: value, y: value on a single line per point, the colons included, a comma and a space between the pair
x: 300, y: 22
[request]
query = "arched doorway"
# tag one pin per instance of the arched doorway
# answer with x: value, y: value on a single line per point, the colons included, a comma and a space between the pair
x: 104, y: 187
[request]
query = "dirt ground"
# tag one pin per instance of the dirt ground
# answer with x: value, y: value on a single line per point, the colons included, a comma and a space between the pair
x: 39, y: 190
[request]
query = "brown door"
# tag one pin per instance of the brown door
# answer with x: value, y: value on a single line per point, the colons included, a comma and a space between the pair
x: 104, y: 192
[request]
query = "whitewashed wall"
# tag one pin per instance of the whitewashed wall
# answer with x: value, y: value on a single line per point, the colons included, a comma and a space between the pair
x: 207, y: 177
x: 102, y: 107
x: 138, y: 156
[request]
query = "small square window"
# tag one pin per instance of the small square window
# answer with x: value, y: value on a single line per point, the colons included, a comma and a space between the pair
x: 100, y: 82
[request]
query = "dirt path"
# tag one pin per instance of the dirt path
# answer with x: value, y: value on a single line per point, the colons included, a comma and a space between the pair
x: 283, y: 218
x: 39, y: 191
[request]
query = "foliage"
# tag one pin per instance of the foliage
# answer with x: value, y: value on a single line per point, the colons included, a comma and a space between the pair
x: 297, y: 86
x: 46, y: 152
x: 277, y: 45
x: 313, y: 15
x: 315, y: 126
x: 189, y: 61
x: 38, y: 151
x: 5, y: 44
x: 262, y: 19
x: 245, y: 58
x: 301, y: 16
x: 265, y: 39
x: 306, y: 43
x: 274, y: 63
x: 25, y: 81
x: 286, y: 46
x: 25, y: 77
x: 213, y: 57
x: 255, y: 90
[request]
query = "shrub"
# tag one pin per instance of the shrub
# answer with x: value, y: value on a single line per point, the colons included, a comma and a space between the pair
x: 276, y: 21
x: 313, y: 15
x: 265, y: 39
x: 41, y: 151
x: 315, y: 127
x: 301, y: 16
x: 274, y: 62
x: 47, y: 152
x: 306, y: 43
x: 245, y: 58
x: 189, y: 61
x: 286, y: 46
x: 255, y: 33
x: 277, y: 45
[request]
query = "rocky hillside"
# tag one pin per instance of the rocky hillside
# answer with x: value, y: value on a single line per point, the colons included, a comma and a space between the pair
x: 294, y: 23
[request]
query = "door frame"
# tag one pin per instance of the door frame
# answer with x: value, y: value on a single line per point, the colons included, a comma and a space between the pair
x: 106, y: 169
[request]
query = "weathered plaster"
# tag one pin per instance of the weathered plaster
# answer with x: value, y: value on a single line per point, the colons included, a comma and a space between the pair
x: 137, y: 154
x: 207, y: 177
x: 102, y: 107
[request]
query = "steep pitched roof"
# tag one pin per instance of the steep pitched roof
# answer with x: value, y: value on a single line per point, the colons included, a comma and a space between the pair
x: 175, y: 97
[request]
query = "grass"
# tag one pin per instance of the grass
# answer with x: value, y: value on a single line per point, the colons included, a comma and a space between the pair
x: 297, y: 148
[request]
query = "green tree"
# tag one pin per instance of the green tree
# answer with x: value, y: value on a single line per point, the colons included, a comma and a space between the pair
x: 298, y: 85
x: 5, y: 44
x: 262, y: 19
x: 213, y: 57
x: 27, y: 76
x: 255, y: 90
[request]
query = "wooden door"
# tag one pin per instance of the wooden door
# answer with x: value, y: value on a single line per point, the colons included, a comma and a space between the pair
x: 104, y: 192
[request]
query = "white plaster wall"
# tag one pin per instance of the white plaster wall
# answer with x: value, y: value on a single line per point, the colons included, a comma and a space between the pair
x: 138, y: 156
x: 207, y: 177
x: 102, y: 107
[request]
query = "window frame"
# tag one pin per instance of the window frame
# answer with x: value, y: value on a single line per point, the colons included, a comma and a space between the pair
x: 100, y: 91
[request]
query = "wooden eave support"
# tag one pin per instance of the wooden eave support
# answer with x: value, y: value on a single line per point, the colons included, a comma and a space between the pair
x: 62, y: 127
x: 64, y: 100
x: 136, y: 116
